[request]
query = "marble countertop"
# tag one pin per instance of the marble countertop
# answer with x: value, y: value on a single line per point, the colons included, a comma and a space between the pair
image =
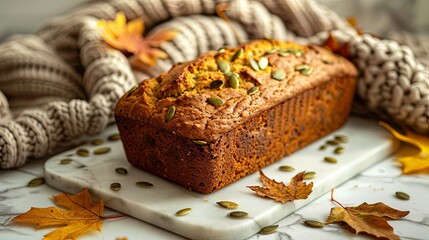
x: 376, y: 184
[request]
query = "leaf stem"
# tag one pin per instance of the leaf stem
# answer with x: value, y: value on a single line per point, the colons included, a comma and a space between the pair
x: 335, y: 201
x: 220, y: 10
x: 113, y: 217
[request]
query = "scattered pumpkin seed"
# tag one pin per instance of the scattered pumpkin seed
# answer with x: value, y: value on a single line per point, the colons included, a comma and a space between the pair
x: 237, y: 54
x: 333, y: 142
x: 82, y: 152
x: 309, y: 175
x: 323, y: 147
x: 132, y: 90
x: 330, y: 160
x: 402, y: 196
x: 221, y: 50
x: 342, y: 138
x: 183, y: 212
x: 233, y: 81
x: 170, y: 113
x: 115, y: 186
x: 286, y: 168
x: 253, y: 90
x: 238, y: 214
x: 314, y: 223
x: 66, y: 161
x: 307, y: 72
x: 263, y: 63
x: 114, y: 137
x: 228, y: 74
x: 301, y: 67
x: 326, y: 61
x: 144, y: 184
x: 228, y: 204
x: 269, y: 229
x: 283, y: 54
x: 279, y: 75
x: 215, y: 101
x: 36, y: 182
x: 216, y: 84
x: 97, y: 142
x: 254, y: 64
x: 100, y: 151
x: 339, y: 150
x: 223, y: 66
x: 199, y: 142
x: 121, y: 171
x: 296, y: 52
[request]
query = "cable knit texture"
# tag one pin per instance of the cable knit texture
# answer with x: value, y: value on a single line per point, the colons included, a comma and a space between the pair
x: 64, y: 81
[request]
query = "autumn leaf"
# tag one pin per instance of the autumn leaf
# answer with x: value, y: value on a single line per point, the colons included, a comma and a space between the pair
x: 129, y: 37
x: 368, y: 218
x: 417, y: 163
x: 339, y: 48
x: 297, y: 189
x: 83, y: 216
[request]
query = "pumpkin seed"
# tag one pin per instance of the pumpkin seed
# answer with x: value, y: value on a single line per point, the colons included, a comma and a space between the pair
x: 314, y: 223
x: 286, y: 168
x: 238, y: 214
x: 228, y: 204
x: 223, y: 66
x: 115, y: 186
x: 97, y: 142
x: 309, y: 175
x: 114, y: 137
x: 269, y: 229
x: 301, y: 67
x: 254, y: 64
x: 82, y: 152
x: 330, y: 160
x: 307, y: 72
x: 170, y: 113
x: 183, y: 212
x: 237, y: 54
x: 132, y: 90
x: 279, y: 75
x: 323, y: 147
x: 339, y: 150
x: 144, y: 184
x: 333, y: 142
x: 221, y: 50
x: 342, y: 138
x: 36, y: 182
x: 263, y: 63
x: 253, y: 90
x: 100, y: 151
x: 215, y: 101
x: 296, y: 52
x: 121, y: 171
x: 402, y: 196
x: 199, y: 142
x: 66, y: 161
x: 233, y: 81
x: 326, y: 61
x: 228, y: 74
x: 216, y: 84
x: 283, y: 54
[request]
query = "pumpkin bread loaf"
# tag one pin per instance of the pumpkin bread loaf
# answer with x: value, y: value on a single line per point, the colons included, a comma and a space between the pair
x: 209, y: 122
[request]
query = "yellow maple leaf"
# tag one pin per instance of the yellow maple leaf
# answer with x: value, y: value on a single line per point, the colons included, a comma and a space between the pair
x: 278, y: 191
x: 83, y: 216
x: 417, y: 163
x: 129, y: 37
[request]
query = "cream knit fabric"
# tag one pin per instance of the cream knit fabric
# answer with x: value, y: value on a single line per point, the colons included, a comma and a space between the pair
x: 64, y: 81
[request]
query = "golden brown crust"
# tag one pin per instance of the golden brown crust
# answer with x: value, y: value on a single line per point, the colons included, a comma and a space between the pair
x: 245, y: 133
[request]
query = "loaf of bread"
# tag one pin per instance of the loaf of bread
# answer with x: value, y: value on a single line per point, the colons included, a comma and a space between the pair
x: 209, y: 122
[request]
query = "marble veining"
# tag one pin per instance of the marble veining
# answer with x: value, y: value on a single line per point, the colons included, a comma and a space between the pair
x: 376, y: 184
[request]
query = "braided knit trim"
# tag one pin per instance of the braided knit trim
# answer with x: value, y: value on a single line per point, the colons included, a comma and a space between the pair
x: 68, y: 60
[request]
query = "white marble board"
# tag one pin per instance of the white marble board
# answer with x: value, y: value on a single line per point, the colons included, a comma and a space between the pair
x: 369, y: 143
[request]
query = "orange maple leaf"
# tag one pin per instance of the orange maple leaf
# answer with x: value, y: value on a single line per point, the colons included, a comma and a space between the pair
x: 368, y: 218
x: 83, y: 216
x: 339, y: 48
x: 129, y: 37
x: 417, y: 163
x: 278, y: 191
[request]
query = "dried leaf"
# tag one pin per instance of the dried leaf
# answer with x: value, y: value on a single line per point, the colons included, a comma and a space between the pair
x: 417, y: 163
x: 368, y: 218
x: 129, y: 37
x: 339, y: 48
x: 297, y: 188
x: 83, y: 216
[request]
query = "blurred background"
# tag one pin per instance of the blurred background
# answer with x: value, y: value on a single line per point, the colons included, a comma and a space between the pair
x: 375, y: 16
